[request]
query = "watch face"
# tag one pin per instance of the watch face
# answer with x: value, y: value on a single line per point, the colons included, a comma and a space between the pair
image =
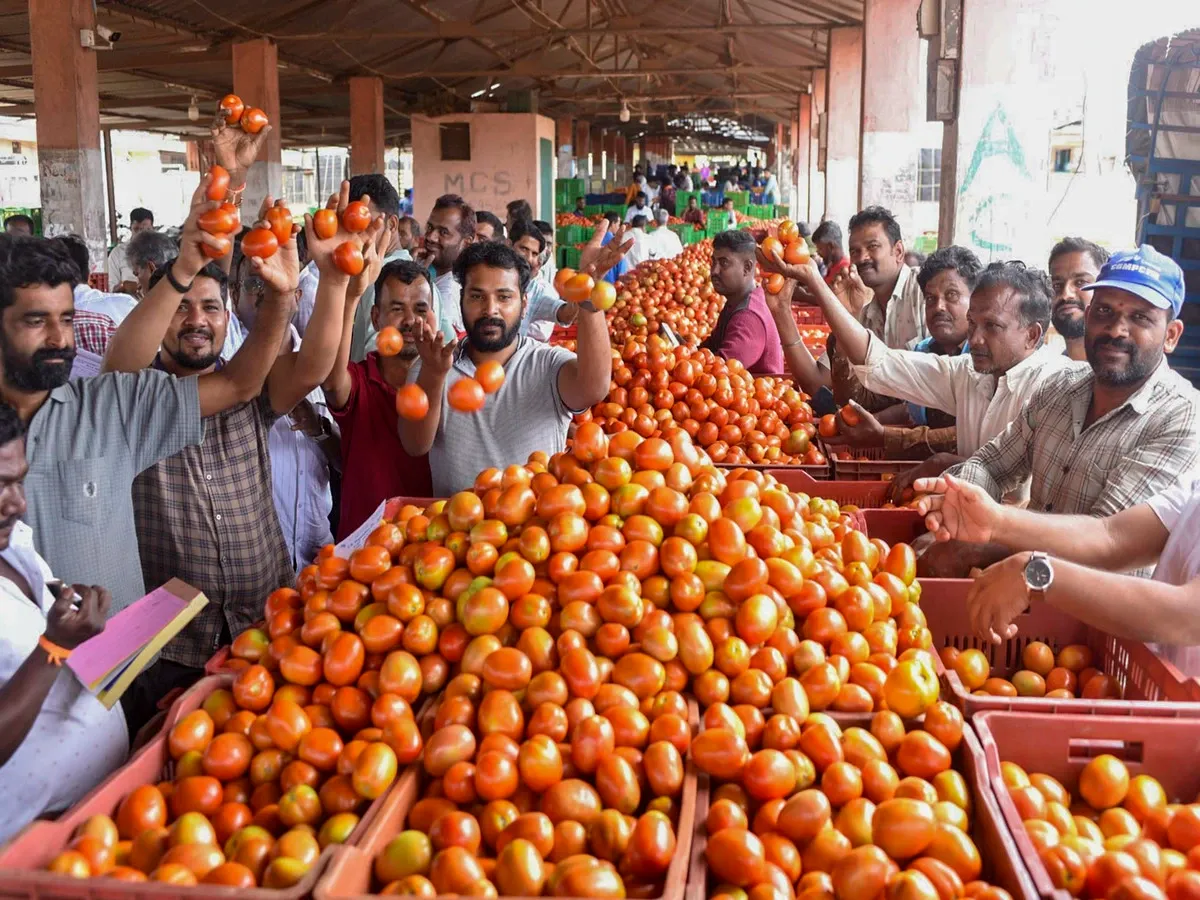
x: 1038, y: 574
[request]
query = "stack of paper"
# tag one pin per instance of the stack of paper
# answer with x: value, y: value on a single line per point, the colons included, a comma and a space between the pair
x: 108, y: 663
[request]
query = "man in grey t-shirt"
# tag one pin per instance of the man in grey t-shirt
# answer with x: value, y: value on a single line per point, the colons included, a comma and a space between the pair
x: 543, y: 386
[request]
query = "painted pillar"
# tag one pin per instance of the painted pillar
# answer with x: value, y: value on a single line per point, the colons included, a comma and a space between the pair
x: 893, y: 109
x: 366, y: 126
x: 802, y: 159
x: 610, y: 156
x: 582, y: 147
x: 817, y: 150
x: 844, y: 118
x: 597, y: 142
x: 256, y: 81
x: 564, y: 136
x: 66, y: 102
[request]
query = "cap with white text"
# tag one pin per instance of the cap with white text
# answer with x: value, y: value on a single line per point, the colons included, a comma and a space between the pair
x: 1145, y: 273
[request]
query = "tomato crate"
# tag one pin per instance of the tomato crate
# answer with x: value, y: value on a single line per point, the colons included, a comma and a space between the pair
x: 813, y: 474
x: 807, y: 316
x: 350, y: 873
x: 1002, y: 861
x: 864, y: 494
x: 563, y: 333
x: 867, y: 464
x: 1162, y: 748
x: 1151, y: 685
x: 896, y: 526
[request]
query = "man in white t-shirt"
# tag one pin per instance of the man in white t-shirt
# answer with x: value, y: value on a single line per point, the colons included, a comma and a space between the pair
x: 1072, y: 563
x: 57, y: 741
x: 121, y: 276
x: 663, y: 242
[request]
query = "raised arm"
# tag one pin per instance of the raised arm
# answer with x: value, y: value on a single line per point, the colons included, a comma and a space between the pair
x: 437, y: 357
x: 295, y: 374
x: 852, y: 338
x: 140, y: 335
x: 235, y: 150
x: 805, y: 370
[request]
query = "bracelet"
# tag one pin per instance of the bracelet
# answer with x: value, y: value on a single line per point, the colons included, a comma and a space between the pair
x: 234, y: 195
x: 793, y: 343
x: 170, y: 276
x: 54, y: 653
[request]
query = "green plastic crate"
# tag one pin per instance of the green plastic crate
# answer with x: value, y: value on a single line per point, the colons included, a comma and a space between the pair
x: 618, y: 208
x: 781, y: 211
x: 682, y: 197
x: 569, y: 234
x: 570, y: 257
x: 594, y: 209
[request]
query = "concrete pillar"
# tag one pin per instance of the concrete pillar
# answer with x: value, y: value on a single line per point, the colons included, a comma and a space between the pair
x: 893, y: 109
x: 802, y: 158
x: 610, y: 156
x: 597, y: 142
x: 256, y: 81
x: 817, y: 153
x: 66, y: 102
x: 564, y: 148
x: 366, y: 126
x: 845, y: 117
x: 582, y: 147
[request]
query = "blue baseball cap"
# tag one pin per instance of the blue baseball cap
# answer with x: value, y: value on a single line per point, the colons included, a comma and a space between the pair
x: 1146, y: 273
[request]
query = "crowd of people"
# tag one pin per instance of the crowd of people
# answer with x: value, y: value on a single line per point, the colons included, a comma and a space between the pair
x: 220, y: 420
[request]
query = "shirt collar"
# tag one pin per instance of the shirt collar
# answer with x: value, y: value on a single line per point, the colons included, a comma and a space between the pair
x: 466, y: 364
x: 1139, y: 401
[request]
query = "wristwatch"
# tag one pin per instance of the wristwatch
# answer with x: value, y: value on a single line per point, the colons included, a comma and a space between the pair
x: 1039, y: 575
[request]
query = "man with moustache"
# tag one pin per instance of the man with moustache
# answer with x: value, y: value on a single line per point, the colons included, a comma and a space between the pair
x: 449, y: 230
x: 543, y: 386
x: 1101, y: 438
x: 362, y: 397
x: 744, y: 330
x: 1074, y: 264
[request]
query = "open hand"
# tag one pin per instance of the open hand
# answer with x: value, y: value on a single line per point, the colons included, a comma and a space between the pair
x: 848, y: 287
x: 321, y: 250
x: 281, y: 270
x: 957, y: 510
x: 596, y: 260
x: 437, y: 356
x: 235, y: 149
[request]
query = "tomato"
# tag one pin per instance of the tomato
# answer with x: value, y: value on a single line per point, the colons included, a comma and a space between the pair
x: 736, y: 856
x: 232, y: 107
x: 356, y: 217
x: 227, y: 757
x: 466, y: 395
x: 389, y: 341
x: 280, y: 222
x: 603, y: 296
x: 260, y: 242
x: 577, y: 288
x: 490, y: 375
x: 192, y: 732
x: 1104, y: 782
x: 374, y: 770
x: 218, y: 184
x: 412, y: 402
x: 325, y: 223
x: 219, y: 221
x: 253, y: 120
x: 348, y: 257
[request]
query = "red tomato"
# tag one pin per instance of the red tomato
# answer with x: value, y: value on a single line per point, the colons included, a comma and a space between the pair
x: 253, y: 120
x: 219, y: 183
x: 260, y: 242
x: 233, y: 107
x: 325, y: 223
x: 412, y: 402
x: 357, y: 217
x: 348, y: 257
x: 280, y: 222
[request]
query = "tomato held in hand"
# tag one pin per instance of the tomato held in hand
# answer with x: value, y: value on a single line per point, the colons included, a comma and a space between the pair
x: 773, y: 283
x: 260, y: 242
x: 219, y: 184
x: 561, y: 277
x: 772, y: 246
x: 233, y: 107
x: 325, y: 223
x: 218, y: 221
x: 412, y: 402
x: 348, y: 257
x: 466, y: 395
x: 796, y: 253
x: 604, y: 296
x: 357, y: 217
x: 849, y: 415
x: 788, y: 232
x: 490, y: 376
x: 280, y: 222
x: 253, y: 120
x: 389, y: 342
x: 224, y: 245
x: 828, y: 427
x: 578, y: 288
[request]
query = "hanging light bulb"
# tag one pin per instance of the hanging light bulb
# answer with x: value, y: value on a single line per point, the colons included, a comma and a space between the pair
x: 194, y: 110
x: 624, y: 117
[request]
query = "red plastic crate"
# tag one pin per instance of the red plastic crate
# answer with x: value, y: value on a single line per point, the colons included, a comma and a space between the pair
x: 864, y: 494
x: 869, y: 463
x: 812, y: 473
x: 896, y: 526
x: 1163, y: 748
x: 1152, y: 686
x: 1002, y: 861
x: 807, y: 316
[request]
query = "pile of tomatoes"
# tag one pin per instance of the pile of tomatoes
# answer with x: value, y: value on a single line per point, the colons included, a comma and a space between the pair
x: 789, y: 246
x: 736, y: 417
x: 675, y: 292
x: 1120, y: 838
x: 268, y: 772
x: 808, y: 810
x: 1068, y: 674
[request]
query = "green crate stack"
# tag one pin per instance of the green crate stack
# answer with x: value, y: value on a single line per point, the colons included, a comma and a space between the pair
x: 569, y: 234
x: 781, y: 211
x: 741, y: 200
x: 570, y: 257
x: 618, y: 208
x: 566, y: 190
x: 716, y: 224
x: 682, y: 197
x: 593, y: 209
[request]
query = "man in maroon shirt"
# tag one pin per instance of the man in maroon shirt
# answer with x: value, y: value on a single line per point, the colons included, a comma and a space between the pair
x: 745, y: 330
x: 362, y: 397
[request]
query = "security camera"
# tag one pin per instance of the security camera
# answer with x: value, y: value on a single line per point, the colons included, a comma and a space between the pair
x: 108, y: 34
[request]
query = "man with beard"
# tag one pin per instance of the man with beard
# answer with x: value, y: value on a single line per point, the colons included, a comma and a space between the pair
x: 744, y: 329
x: 543, y: 303
x: 449, y: 230
x: 1103, y: 438
x: 543, y: 385
x: 206, y: 514
x: 362, y: 398
x: 1074, y: 264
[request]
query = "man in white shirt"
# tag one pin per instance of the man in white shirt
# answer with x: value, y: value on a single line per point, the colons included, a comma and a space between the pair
x: 664, y: 243
x: 57, y: 741
x: 1071, y: 563
x: 147, y: 252
x: 448, y: 232
x: 770, y: 194
x: 640, y: 251
x: 639, y: 208
x: 121, y: 276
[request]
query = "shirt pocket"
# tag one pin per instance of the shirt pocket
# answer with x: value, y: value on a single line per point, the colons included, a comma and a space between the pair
x: 85, y: 489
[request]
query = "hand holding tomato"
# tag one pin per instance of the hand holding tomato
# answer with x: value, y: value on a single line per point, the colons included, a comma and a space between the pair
x: 234, y: 148
x: 848, y: 287
x: 323, y: 250
x: 865, y: 431
x: 437, y: 356
x: 281, y: 270
x: 78, y: 614
x: 197, y: 246
x: 806, y: 275
x: 375, y: 240
x: 997, y: 597
x: 958, y: 510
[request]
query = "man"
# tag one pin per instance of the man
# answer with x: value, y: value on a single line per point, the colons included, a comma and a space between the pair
x: 406, y: 206
x: 637, y: 186
x: 362, y: 396
x: 146, y: 253
x: 1105, y: 437
x: 408, y: 231
x: 651, y: 189
x: 57, y: 741
x: 543, y: 309
x: 664, y: 243
x: 548, y: 268
x: 666, y: 196
x: 612, y: 222
x: 1074, y: 563
x: 96, y: 311
x: 522, y: 415
x: 121, y: 276
x: 448, y: 232
x: 20, y: 224
x: 488, y: 227
x: 745, y: 330
x: 639, y: 208
x: 770, y: 194
x: 728, y: 215
x: 206, y: 514
x: 580, y: 206
x: 828, y: 241
x: 641, y: 248
x: 516, y: 210
x: 1074, y: 264
x: 381, y: 198
x: 693, y: 215
x: 688, y: 184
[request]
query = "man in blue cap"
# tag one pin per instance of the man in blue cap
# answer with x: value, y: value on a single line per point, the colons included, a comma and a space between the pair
x: 1101, y: 438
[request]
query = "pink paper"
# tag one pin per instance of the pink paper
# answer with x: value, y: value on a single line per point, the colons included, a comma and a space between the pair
x: 125, y: 634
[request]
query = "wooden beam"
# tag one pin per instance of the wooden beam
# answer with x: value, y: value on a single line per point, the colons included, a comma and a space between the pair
x: 458, y: 30
x: 124, y: 60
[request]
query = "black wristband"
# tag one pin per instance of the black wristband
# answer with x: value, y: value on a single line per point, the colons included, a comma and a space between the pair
x: 170, y: 276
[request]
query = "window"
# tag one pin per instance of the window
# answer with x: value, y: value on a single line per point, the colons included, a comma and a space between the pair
x: 929, y: 176
x: 293, y: 187
x: 1062, y: 159
x: 456, y: 141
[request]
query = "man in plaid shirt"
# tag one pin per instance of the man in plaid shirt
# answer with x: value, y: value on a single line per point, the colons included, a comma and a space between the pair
x: 1101, y: 438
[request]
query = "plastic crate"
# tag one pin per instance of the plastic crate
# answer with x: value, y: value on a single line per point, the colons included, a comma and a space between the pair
x: 563, y: 333
x: 896, y: 526
x: 1002, y: 861
x: 869, y: 463
x: 1152, y: 686
x: 807, y: 316
x: 1163, y: 748
x: 864, y: 494
x: 350, y: 873
x: 812, y: 474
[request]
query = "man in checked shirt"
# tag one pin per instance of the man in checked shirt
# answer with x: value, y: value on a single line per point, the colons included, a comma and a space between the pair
x: 206, y: 514
x: 1101, y: 438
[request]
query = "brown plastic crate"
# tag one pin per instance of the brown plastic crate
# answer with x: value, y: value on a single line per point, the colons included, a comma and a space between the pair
x: 1152, y: 686
x: 24, y: 858
x: 350, y: 873
x: 1002, y: 862
x: 1163, y: 748
x: 896, y: 526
